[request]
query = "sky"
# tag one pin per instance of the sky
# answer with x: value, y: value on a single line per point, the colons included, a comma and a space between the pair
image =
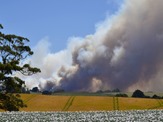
x: 90, y: 45
x: 56, y: 20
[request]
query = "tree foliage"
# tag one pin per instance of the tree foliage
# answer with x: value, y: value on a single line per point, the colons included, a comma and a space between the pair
x: 13, y: 50
x: 35, y: 89
x: 139, y: 94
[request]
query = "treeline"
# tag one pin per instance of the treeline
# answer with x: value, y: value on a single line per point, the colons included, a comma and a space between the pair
x: 115, y: 92
x: 136, y: 94
x: 139, y: 94
x: 45, y: 92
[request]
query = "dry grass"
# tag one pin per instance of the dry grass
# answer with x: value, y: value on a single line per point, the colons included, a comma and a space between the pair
x: 38, y: 102
x: 44, y: 102
x: 137, y: 103
x: 91, y: 103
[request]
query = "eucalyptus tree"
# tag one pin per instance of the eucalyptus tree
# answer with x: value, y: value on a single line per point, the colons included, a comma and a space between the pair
x: 13, y: 50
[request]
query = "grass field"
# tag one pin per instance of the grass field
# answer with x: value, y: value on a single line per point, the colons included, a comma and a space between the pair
x: 44, y: 102
x: 137, y: 103
x: 91, y: 103
x: 38, y: 102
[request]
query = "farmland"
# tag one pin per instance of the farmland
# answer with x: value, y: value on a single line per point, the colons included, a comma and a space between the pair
x: 38, y: 102
x: 86, y: 108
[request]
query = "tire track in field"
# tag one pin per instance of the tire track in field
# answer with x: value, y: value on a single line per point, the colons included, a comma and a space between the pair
x: 29, y: 98
x: 115, y: 103
x: 69, y: 103
x: 160, y: 104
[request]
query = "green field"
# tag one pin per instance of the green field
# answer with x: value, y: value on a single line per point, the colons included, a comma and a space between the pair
x: 38, y: 102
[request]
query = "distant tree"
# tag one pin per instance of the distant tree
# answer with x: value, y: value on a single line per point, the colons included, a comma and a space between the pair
x: 121, y: 95
x: 138, y: 94
x: 35, y: 89
x: 46, y: 92
x: 99, y: 91
x: 12, y: 52
x: 156, y: 96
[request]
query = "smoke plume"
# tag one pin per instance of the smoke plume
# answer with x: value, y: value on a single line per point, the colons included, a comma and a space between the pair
x: 125, y: 52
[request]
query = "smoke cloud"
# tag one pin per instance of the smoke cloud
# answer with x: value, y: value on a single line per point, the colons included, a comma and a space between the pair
x: 125, y: 52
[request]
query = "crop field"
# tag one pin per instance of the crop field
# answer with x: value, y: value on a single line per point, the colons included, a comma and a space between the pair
x: 91, y: 103
x: 86, y: 108
x: 138, y: 103
x: 38, y: 102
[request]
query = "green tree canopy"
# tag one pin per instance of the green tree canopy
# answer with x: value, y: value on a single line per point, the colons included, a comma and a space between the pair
x: 13, y: 50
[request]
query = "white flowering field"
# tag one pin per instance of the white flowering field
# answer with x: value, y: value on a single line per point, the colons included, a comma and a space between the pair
x: 98, y: 116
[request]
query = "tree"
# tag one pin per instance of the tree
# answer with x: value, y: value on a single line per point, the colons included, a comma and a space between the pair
x: 138, y: 94
x: 46, y: 92
x: 121, y: 95
x: 35, y: 89
x: 12, y: 53
x: 156, y: 96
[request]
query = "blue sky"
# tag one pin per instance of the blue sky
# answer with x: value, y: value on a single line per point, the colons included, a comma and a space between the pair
x: 56, y: 19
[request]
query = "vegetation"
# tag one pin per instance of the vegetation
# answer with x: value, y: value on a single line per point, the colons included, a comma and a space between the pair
x: 138, y: 94
x: 91, y: 103
x: 137, y: 103
x: 121, y: 95
x: 35, y: 89
x: 115, y: 103
x: 46, y: 93
x: 38, y: 102
x: 12, y: 52
x: 69, y: 103
x: 156, y: 96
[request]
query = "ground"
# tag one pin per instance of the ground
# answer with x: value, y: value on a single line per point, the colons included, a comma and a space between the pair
x: 38, y: 102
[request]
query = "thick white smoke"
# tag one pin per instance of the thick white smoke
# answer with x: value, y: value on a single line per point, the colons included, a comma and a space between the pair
x: 125, y: 52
